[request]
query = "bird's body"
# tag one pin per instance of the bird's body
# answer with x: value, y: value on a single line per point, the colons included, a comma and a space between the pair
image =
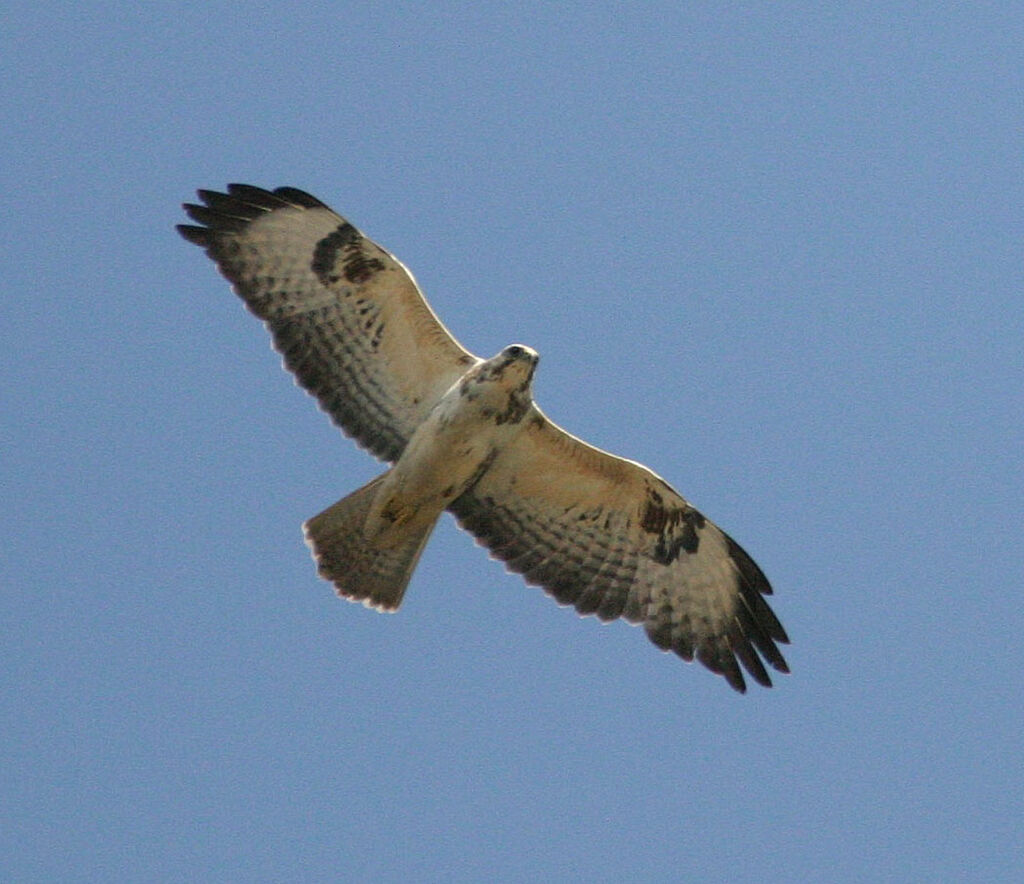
x: 463, y: 434
x: 445, y: 455
x: 473, y: 421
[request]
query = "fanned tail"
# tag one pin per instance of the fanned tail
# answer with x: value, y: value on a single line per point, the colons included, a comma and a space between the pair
x: 361, y: 569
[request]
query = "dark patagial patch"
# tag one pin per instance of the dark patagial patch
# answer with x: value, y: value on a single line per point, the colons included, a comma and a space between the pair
x: 325, y: 254
x: 358, y: 268
x: 675, y: 527
x: 343, y: 242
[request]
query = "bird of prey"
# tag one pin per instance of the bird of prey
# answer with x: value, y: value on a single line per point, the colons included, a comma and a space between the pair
x: 463, y: 434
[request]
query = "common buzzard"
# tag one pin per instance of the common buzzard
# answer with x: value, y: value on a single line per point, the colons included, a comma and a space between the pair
x: 463, y: 434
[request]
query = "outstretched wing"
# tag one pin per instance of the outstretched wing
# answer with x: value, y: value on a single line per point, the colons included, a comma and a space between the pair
x: 610, y: 537
x: 347, y: 316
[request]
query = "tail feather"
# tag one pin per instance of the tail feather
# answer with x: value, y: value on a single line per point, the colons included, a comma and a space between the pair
x: 373, y: 572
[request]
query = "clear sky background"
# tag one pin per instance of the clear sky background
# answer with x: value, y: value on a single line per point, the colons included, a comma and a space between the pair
x: 771, y: 250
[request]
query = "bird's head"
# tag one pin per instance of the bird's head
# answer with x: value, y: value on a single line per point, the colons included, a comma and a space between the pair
x: 501, y: 380
x: 514, y: 365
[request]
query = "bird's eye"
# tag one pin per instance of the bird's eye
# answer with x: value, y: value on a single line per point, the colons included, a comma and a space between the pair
x: 515, y: 351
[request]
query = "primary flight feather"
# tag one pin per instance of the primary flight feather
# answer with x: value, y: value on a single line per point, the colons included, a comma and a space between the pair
x: 463, y: 434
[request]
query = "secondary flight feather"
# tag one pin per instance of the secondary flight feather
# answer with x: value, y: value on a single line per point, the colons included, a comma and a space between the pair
x: 463, y: 434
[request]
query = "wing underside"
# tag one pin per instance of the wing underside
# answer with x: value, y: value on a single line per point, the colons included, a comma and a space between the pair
x: 596, y: 531
x: 347, y: 317
x: 612, y: 539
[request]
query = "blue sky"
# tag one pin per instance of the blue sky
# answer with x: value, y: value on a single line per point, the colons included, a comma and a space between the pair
x: 771, y: 250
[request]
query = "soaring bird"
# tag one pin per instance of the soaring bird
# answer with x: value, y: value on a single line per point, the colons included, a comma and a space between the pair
x: 464, y: 434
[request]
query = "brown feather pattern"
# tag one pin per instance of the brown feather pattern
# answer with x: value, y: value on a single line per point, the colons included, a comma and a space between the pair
x: 596, y: 531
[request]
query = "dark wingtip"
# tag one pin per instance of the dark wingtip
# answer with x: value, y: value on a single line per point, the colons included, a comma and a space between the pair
x: 248, y: 192
x: 746, y: 654
x: 216, y: 218
x: 233, y: 211
x: 299, y: 197
x: 735, y: 679
x: 200, y: 236
x: 721, y: 661
x: 266, y: 200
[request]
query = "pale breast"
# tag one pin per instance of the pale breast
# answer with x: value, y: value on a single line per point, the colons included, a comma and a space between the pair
x: 449, y: 451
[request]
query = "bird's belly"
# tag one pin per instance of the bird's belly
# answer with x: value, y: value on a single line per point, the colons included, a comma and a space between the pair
x: 438, y: 464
